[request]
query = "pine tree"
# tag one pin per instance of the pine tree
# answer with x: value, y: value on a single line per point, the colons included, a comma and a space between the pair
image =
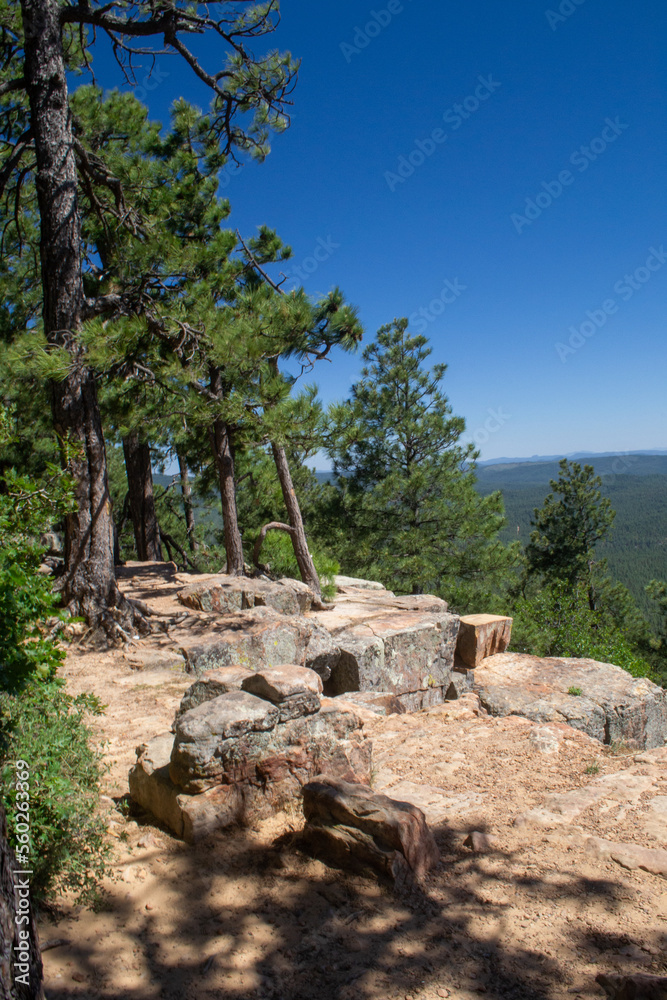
x: 407, y: 484
x: 568, y: 526
x: 41, y: 40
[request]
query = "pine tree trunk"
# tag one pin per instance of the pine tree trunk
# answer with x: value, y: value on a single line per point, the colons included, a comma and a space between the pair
x: 222, y: 444
x: 88, y: 585
x: 188, y: 508
x: 223, y: 450
x: 142, y: 501
x: 29, y: 984
x: 298, y: 533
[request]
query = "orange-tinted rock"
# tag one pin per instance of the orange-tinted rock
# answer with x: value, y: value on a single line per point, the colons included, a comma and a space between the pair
x: 481, y: 636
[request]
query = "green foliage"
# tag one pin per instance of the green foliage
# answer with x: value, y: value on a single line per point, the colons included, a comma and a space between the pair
x: 559, y: 622
x: 575, y: 691
x: 568, y: 526
x: 39, y: 722
x: 406, y: 503
x: 48, y: 729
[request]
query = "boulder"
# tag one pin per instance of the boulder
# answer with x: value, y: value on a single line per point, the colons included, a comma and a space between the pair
x: 481, y: 636
x: 631, y: 856
x: 189, y: 817
x: 294, y: 690
x: 352, y: 821
x: 462, y: 682
x: 403, y: 652
x: 224, y: 594
x: 232, y: 739
x: 197, y: 788
x: 262, y: 637
x: 203, y: 732
x: 613, y: 706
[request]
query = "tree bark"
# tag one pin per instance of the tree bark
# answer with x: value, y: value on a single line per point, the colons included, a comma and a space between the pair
x: 222, y: 443
x: 16, y: 983
x: 188, y: 509
x: 142, y: 501
x: 88, y: 584
x: 298, y: 533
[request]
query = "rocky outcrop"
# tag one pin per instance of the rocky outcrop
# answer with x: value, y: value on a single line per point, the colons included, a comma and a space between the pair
x: 400, y: 645
x: 240, y: 754
x: 612, y: 706
x: 351, y: 822
x: 225, y: 594
x: 481, y: 636
x: 262, y: 637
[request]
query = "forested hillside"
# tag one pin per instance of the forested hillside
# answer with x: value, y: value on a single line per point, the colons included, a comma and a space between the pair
x: 637, y: 547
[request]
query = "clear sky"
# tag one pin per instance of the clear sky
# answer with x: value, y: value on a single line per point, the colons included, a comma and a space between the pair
x: 495, y: 171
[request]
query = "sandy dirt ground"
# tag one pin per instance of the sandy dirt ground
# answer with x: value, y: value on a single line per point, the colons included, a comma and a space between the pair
x: 538, y: 913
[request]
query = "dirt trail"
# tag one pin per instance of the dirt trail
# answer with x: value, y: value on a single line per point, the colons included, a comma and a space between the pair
x: 243, y: 914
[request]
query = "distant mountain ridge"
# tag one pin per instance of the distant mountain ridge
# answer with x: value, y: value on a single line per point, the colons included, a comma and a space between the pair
x: 573, y: 456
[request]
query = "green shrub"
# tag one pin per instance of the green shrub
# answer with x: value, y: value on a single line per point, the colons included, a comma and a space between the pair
x: 48, y: 729
x: 278, y: 554
x: 559, y: 622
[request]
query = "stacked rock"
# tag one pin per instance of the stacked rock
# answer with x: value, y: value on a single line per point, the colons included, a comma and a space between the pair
x: 244, y: 744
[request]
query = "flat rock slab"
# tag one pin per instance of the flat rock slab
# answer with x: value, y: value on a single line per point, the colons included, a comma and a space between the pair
x: 353, y: 819
x: 224, y: 594
x: 377, y: 702
x: 344, y: 583
x: 481, y: 636
x: 262, y: 637
x: 401, y: 652
x: 294, y: 690
x: 211, y: 685
x: 613, y: 706
x: 631, y: 856
x: 156, y: 659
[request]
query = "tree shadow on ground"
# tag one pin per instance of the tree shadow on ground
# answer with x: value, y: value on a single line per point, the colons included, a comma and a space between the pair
x: 244, y: 914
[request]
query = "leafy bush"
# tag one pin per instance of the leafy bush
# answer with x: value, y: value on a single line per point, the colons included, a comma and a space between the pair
x: 39, y: 722
x: 559, y: 622
x: 47, y: 728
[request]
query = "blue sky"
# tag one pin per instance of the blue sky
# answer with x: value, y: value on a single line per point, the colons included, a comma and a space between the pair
x: 524, y: 231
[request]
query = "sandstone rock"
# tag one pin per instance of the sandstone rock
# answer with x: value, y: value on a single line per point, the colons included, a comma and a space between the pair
x: 462, y: 682
x: 189, y: 817
x: 480, y: 842
x: 481, y: 636
x: 262, y: 637
x: 219, y: 742
x: 156, y: 659
x: 401, y: 652
x: 635, y: 987
x: 211, y: 685
x: 224, y: 594
x: 631, y: 856
x: 352, y: 819
x: 294, y: 690
x: 203, y: 732
x: 344, y: 583
x: 377, y: 702
x: 613, y: 704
